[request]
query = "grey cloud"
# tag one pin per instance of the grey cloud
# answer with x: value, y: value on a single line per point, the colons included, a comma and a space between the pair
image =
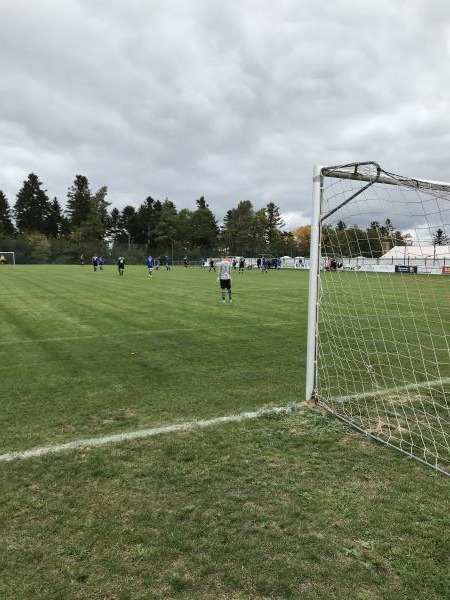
x: 231, y: 100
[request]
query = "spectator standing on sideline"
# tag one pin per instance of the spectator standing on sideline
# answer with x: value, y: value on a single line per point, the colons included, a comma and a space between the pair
x: 121, y: 265
x: 224, y: 278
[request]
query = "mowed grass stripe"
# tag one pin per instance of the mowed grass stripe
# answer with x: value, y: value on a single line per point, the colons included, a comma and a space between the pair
x: 137, y: 333
x: 142, y: 353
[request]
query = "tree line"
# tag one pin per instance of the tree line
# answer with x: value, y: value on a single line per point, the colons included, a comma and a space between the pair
x: 372, y: 242
x: 39, y: 229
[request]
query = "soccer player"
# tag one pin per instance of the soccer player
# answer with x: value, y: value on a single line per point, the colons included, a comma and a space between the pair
x: 101, y: 262
x: 150, y: 264
x: 95, y: 262
x: 121, y: 265
x: 2, y: 259
x: 185, y: 262
x: 241, y: 264
x: 264, y: 265
x: 167, y: 263
x: 211, y: 265
x: 224, y: 278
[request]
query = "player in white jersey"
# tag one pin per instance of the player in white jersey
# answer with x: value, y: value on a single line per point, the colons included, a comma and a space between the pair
x: 224, y: 278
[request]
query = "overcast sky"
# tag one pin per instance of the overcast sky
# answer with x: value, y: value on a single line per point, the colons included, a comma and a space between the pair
x: 234, y: 100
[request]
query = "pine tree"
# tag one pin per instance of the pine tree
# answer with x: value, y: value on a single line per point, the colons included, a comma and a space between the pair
x: 242, y: 229
x: 78, y: 201
x: 32, y: 207
x: 56, y: 224
x: 148, y: 216
x: 7, y: 228
x: 273, y: 224
x: 440, y: 238
x: 204, y: 228
x: 131, y: 227
x: 165, y: 232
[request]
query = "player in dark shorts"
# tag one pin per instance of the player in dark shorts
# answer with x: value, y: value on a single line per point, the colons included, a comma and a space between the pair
x: 241, y: 265
x: 121, y: 265
x: 224, y: 269
x: 185, y: 262
x: 95, y: 262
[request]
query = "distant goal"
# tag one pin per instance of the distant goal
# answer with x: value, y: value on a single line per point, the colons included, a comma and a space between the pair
x: 7, y: 258
x: 379, y: 307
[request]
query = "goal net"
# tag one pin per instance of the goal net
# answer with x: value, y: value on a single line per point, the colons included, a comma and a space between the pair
x: 7, y: 258
x: 379, y: 307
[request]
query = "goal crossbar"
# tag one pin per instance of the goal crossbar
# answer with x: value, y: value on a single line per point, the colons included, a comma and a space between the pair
x: 381, y: 176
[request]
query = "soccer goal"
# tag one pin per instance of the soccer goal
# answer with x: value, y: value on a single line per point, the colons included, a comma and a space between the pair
x: 379, y: 307
x: 7, y: 258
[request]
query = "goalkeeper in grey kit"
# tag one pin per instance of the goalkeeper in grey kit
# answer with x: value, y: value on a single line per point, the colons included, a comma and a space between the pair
x: 224, y: 278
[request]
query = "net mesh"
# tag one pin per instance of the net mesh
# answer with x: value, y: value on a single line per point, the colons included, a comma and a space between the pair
x: 383, y: 329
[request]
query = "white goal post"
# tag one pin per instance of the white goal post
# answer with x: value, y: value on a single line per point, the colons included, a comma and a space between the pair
x: 7, y: 258
x: 378, y: 348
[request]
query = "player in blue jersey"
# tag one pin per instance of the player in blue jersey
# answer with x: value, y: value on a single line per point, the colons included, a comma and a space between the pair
x: 150, y: 265
x: 264, y: 265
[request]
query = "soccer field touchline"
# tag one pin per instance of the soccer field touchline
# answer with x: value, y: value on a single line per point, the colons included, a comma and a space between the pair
x: 144, y: 433
x: 387, y: 391
x: 147, y: 332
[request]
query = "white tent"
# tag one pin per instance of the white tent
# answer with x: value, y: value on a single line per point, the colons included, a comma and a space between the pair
x: 402, y: 252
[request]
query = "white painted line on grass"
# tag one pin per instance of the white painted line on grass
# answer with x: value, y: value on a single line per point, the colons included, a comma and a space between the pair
x: 144, y: 433
x: 386, y: 391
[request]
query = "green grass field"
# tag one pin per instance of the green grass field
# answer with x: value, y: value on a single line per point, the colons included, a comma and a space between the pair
x: 292, y: 505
